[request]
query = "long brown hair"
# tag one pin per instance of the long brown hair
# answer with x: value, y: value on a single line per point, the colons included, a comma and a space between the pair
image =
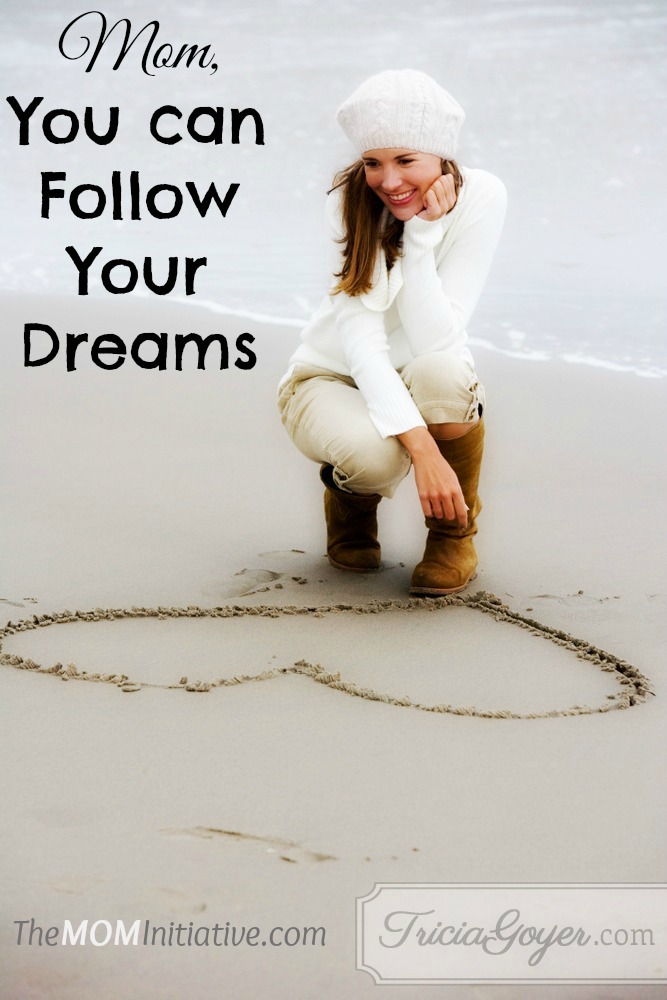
x: 361, y: 212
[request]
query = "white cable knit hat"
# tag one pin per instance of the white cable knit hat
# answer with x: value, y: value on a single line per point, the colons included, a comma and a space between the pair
x: 402, y: 108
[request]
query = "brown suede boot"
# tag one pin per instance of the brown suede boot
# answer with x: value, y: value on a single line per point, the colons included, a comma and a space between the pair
x: 450, y: 560
x: 352, y: 527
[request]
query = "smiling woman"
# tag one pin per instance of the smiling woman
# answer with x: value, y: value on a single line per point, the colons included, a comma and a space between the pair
x: 384, y: 379
x: 405, y: 181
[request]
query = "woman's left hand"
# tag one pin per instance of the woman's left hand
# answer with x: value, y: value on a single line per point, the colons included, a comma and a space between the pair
x: 439, y: 199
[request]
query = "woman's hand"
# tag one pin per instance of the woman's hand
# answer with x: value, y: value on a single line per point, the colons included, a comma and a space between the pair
x: 439, y: 199
x: 439, y: 491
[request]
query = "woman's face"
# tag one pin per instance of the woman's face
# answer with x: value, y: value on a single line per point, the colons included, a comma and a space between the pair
x: 401, y: 178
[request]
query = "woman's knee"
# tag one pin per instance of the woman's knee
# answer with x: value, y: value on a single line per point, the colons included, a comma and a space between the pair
x: 377, y: 467
x: 445, y: 388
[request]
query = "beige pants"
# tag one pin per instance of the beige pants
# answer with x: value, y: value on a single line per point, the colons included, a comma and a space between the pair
x: 327, y: 418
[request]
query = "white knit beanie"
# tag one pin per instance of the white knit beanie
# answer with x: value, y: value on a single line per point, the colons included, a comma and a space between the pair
x: 405, y: 109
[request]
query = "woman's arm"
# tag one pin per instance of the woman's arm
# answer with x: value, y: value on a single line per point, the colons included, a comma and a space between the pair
x: 438, y: 487
x: 366, y: 349
x: 390, y: 405
x: 436, y: 303
x: 364, y: 341
x: 392, y: 409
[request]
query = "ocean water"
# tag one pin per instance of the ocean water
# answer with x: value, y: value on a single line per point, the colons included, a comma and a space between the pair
x: 565, y: 102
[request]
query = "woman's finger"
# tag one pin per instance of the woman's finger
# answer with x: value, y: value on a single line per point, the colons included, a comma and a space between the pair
x: 461, y: 510
x: 438, y: 510
x: 440, y: 198
x: 449, y: 191
x: 440, y: 191
x: 448, y: 510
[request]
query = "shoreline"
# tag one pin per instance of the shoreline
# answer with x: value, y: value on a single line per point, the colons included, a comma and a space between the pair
x: 208, y: 307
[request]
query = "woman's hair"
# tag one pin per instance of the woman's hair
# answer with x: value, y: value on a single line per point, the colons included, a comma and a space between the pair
x: 362, y: 212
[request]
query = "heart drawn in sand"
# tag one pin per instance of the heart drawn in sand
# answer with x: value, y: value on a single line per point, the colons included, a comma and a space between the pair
x: 634, y: 687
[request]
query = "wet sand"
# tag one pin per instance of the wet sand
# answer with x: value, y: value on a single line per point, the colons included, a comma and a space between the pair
x: 166, y: 789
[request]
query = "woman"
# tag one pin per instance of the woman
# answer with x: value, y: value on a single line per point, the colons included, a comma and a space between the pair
x: 383, y: 379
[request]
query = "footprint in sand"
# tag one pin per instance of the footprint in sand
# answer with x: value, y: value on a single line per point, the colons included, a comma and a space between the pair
x: 247, y: 582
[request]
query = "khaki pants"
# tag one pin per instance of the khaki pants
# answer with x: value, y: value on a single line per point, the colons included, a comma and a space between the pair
x: 327, y: 419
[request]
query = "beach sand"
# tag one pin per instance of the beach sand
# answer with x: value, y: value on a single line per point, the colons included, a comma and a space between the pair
x: 278, y: 802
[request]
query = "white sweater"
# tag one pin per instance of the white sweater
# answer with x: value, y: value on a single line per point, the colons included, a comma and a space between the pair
x: 423, y: 304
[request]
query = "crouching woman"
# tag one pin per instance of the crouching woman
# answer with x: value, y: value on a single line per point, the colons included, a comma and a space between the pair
x: 383, y: 379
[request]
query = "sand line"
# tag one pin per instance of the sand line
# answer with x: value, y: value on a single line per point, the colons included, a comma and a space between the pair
x: 634, y: 687
x: 212, y: 832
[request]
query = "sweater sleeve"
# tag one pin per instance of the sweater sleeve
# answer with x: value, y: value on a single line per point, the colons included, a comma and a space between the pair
x: 363, y: 338
x: 436, y: 303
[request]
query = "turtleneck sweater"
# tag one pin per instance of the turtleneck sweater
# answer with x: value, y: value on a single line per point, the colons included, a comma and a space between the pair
x: 423, y: 304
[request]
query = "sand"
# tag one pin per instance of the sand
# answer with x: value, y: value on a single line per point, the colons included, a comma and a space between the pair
x: 172, y: 786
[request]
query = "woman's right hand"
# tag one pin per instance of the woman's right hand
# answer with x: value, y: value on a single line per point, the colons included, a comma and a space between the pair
x: 438, y: 487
